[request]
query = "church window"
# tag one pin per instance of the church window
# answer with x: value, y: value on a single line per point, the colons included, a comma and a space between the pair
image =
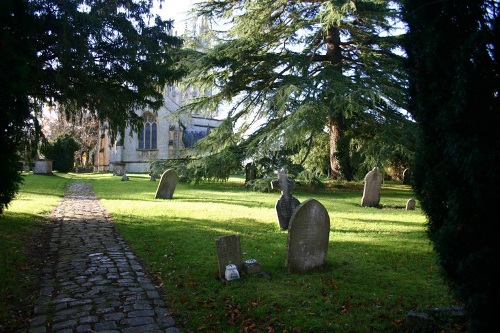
x: 148, y: 134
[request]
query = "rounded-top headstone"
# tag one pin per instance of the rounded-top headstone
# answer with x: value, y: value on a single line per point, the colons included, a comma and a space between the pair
x: 308, y: 237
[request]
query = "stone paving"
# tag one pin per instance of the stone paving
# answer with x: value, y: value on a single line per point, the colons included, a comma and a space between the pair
x: 93, y: 282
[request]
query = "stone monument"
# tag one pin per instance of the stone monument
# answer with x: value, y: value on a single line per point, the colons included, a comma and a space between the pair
x: 43, y: 167
x: 228, y: 252
x: 371, y: 191
x: 166, y: 187
x: 308, y: 237
x: 287, y: 203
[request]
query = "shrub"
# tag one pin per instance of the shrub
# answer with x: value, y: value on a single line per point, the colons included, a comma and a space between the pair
x: 61, y: 152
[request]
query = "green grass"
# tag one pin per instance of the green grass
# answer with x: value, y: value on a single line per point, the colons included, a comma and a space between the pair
x: 20, y: 226
x: 380, y: 263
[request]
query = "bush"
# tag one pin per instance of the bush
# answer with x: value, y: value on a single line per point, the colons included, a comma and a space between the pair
x: 61, y: 152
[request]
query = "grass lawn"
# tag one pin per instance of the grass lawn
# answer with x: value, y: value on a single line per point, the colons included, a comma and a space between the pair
x: 21, y: 238
x: 380, y: 263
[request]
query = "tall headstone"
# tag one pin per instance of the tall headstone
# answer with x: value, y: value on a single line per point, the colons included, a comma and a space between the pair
x: 308, y: 237
x: 406, y: 176
x: 228, y: 252
x: 166, y: 187
x: 287, y: 203
x: 371, y: 192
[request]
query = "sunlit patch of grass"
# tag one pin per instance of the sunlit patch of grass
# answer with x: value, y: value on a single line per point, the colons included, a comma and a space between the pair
x: 380, y: 263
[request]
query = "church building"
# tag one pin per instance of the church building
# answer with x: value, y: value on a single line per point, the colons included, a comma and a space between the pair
x: 165, y: 135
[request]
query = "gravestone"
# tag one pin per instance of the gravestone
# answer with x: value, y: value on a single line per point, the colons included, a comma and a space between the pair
x: 371, y: 191
x: 43, y: 167
x: 166, y: 187
x: 406, y: 177
x: 228, y: 252
x: 308, y: 237
x: 118, y: 169
x: 287, y: 203
x: 250, y: 172
x: 410, y: 204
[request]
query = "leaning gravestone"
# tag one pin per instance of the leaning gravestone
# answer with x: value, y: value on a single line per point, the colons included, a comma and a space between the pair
x: 228, y: 252
x: 371, y: 192
x: 287, y: 203
x: 166, y: 187
x: 308, y: 237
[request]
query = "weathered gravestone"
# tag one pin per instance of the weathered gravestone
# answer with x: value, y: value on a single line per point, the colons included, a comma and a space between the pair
x: 228, y: 252
x: 410, y: 204
x: 371, y: 191
x: 308, y: 237
x: 287, y: 203
x: 166, y: 187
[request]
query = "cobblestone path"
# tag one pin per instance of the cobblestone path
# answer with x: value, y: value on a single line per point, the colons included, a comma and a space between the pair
x: 93, y: 282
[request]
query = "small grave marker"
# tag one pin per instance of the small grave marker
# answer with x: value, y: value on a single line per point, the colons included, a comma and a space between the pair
x: 228, y: 252
x: 410, y: 204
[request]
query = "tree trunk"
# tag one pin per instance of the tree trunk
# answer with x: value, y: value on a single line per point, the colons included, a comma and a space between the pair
x: 334, y: 132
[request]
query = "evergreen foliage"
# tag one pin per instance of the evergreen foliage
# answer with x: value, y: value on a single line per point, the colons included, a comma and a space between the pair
x: 290, y: 70
x: 61, y: 152
x: 454, y: 57
x: 107, y: 58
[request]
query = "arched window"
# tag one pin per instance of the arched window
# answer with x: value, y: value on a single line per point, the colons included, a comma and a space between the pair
x: 147, y: 135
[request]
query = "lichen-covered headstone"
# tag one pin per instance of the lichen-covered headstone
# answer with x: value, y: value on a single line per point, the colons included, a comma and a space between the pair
x: 166, y: 187
x: 228, y: 252
x: 308, y: 237
x: 287, y: 203
x: 371, y: 191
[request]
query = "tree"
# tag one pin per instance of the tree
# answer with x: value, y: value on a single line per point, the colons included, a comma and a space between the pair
x: 454, y: 60
x: 292, y: 69
x: 62, y: 152
x: 85, y: 130
x: 107, y: 58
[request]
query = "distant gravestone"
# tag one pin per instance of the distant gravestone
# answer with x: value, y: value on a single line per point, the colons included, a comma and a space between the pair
x: 250, y: 172
x: 166, y: 187
x: 371, y: 191
x: 410, y: 204
x: 228, y: 252
x: 43, y: 167
x: 406, y: 177
x: 308, y: 237
x: 287, y: 203
x: 118, y: 169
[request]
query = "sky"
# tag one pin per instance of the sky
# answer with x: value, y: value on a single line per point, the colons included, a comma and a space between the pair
x: 176, y: 10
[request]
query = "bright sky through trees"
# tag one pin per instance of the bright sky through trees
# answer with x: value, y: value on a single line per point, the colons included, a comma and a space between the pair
x: 176, y: 10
